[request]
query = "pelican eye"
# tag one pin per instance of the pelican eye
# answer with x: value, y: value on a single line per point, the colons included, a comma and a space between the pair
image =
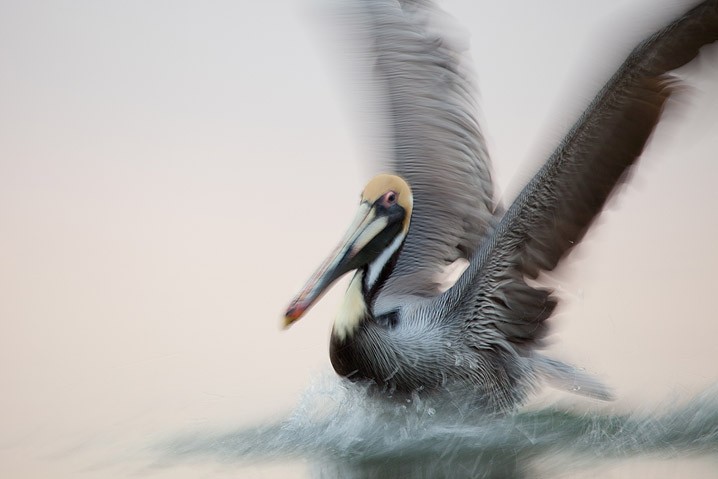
x: 389, y: 198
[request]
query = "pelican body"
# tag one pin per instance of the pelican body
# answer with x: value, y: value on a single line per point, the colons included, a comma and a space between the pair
x: 396, y: 327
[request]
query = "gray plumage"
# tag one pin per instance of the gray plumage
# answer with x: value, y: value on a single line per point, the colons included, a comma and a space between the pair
x: 437, y: 146
x: 483, y: 332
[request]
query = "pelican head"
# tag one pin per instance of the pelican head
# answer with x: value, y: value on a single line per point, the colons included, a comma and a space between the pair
x: 374, y: 237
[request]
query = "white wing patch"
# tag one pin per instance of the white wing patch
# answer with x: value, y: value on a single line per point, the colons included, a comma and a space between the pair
x: 451, y: 274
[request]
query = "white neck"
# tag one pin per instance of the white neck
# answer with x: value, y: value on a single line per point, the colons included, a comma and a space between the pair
x: 354, y: 308
x: 375, y: 267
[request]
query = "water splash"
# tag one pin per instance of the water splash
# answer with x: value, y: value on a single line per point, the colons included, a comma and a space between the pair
x: 344, y: 431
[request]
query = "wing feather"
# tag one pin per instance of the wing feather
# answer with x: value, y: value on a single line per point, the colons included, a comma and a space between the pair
x: 436, y: 145
x: 558, y: 205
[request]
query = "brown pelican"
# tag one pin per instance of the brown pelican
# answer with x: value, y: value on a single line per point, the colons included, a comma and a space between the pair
x: 396, y: 327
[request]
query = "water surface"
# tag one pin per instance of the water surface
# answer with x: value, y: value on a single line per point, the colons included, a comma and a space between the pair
x: 344, y: 431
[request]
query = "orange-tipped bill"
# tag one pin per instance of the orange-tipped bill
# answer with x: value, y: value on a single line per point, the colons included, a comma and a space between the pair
x: 350, y: 254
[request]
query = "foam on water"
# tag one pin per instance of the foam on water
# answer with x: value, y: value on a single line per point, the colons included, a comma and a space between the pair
x: 344, y: 431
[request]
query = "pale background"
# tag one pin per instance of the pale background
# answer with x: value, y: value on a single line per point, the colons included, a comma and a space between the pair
x: 172, y: 172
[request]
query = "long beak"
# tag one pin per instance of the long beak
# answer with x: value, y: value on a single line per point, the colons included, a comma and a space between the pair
x: 349, y: 255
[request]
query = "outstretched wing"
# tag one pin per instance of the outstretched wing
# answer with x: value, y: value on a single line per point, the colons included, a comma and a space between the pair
x: 557, y: 206
x: 436, y: 144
